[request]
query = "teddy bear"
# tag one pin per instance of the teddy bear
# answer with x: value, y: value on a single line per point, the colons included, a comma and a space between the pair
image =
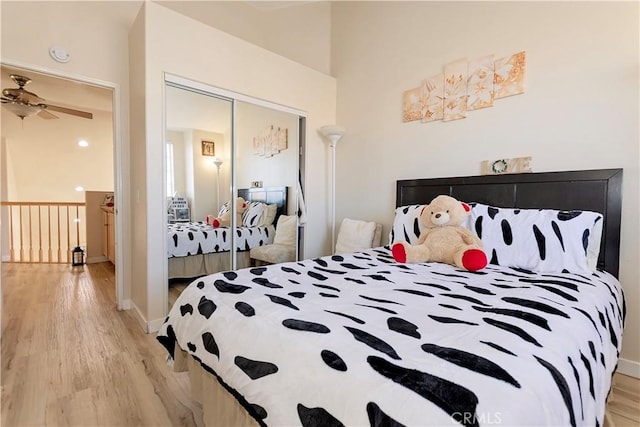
x: 444, y: 239
x: 224, y: 220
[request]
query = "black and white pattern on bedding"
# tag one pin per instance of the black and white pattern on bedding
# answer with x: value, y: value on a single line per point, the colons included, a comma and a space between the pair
x: 361, y: 340
x: 200, y: 238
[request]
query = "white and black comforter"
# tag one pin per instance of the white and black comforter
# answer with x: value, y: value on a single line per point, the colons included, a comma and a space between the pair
x: 193, y: 238
x: 361, y: 340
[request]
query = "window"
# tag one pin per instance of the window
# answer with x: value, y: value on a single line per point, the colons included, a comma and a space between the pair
x: 171, y: 184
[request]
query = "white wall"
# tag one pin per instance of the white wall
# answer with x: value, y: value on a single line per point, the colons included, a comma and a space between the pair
x: 196, y: 52
x: 138, y: 176
x: 298, y: 31
x: 580, y: 109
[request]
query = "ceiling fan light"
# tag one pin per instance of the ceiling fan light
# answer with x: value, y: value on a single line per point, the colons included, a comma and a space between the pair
x: 83, y: 143
x: 21, y: 110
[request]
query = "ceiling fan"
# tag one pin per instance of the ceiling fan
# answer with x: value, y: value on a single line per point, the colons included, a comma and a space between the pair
x: 23, y: 103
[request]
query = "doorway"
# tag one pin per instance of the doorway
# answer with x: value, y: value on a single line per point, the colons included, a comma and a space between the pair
x: 56, y: 162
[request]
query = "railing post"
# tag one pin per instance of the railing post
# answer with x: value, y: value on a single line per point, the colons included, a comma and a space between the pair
x: 59, y: 241
x: 30, y: 237
x: 39, y: 234
x: 50, y: 253
x: 68, y: 237
x: 12, y: 248
x: 21, y: 240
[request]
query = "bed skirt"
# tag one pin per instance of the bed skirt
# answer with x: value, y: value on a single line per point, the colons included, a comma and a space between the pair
x: 201, y: 265
x: 219, y: 407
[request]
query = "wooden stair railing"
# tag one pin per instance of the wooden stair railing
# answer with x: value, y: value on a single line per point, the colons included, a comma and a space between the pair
x: 56, y: 228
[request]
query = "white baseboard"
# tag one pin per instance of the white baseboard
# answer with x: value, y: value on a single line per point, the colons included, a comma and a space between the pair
x: 148, y: 327
x: 126, y: 305
x: 97, y: 259
x: 139, y: 317
x: 629, y: 367
x: 6, y: 258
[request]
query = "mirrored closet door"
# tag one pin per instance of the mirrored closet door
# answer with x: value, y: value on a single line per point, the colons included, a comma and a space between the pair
x: 198, y: 180
x: 232, y: 168
x: 266, y: 173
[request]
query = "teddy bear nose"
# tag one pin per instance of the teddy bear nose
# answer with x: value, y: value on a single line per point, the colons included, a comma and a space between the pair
x: 438, y: 215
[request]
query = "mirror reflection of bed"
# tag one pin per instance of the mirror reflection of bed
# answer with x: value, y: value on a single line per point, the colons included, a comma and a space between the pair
x: 197, y: 248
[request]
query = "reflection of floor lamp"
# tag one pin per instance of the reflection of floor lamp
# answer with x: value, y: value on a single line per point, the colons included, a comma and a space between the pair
x: 333, y: 133
x: 218, y: 163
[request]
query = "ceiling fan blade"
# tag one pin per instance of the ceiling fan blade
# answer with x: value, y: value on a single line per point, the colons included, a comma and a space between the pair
x: 47, y: 115
x: 20, y: 94
x: 5, y: 100
x: 65, y: 110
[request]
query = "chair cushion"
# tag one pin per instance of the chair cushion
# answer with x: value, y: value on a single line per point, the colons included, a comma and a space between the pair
x: 355, y: 235
x: 286, y: 230
x: 274, y: 253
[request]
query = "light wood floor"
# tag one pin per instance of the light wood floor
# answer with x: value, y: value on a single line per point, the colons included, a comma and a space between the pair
x: 70, y: 359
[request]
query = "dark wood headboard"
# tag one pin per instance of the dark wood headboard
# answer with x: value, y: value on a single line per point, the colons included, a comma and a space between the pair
x: 269, y: 195
x: 593, y: 190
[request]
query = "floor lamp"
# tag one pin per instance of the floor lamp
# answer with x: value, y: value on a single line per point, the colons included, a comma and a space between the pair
x: 333, y: 133
x: 218, y: 163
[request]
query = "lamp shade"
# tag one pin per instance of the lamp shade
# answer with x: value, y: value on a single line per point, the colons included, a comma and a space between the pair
x: 332, y: 132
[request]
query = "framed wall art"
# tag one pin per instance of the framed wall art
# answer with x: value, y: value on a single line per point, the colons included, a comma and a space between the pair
x: 208, y: 148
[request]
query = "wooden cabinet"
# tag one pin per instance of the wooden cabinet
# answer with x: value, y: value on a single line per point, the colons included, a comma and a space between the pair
x: 109, y: 234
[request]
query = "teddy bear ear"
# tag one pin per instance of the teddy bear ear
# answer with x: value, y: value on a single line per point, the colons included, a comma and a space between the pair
x: 466, y: 207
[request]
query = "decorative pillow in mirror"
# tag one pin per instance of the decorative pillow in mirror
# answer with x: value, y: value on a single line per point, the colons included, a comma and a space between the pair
x: 269, y: 215
x: 251, y: 217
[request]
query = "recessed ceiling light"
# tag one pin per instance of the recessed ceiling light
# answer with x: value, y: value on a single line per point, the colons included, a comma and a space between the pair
x: 79, y: 188
x: 83, y: 143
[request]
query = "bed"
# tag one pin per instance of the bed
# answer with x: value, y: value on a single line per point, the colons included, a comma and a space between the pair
x: 359, y: 339
x: 196, y: 249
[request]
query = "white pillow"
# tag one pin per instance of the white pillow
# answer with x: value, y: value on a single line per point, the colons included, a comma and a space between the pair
x: 354, y: 236
x: 593, y: 250
x: 251, y: 216
x: 541, y: 240
x: 406, y: 225
x: 286, y: 230
x: 268, y: 215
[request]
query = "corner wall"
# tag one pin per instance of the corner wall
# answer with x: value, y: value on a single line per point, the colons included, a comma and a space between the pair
x: 196, y: 52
